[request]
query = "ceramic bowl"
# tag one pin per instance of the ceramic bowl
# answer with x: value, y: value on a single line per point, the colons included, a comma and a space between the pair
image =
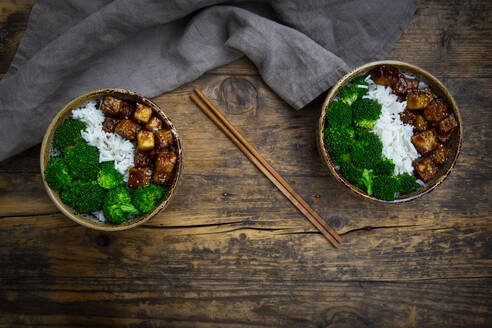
x: 437, y: 87
x: 47, y: 151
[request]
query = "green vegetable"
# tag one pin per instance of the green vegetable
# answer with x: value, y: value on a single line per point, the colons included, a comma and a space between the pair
x: 338, y: 140
x: 385, y: 187
x: 83, y: 161
x: 367, y: 180
x: 350, y: 93
x: 384, y: 166
x: 339, y: 114
x: 57, y: 175
x: 108, y: 177
x: 118, y: 206
x: 67, y: 134
x: 365, y: 113
x: 366, y: 150
x: 407, y: 183
x: 84, y: 196
x: 145, y: 199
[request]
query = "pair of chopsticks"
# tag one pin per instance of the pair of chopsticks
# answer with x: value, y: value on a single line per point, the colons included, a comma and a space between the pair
x: 213, y: 113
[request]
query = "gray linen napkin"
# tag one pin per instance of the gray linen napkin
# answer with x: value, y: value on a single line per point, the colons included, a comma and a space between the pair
x: 300, y: 47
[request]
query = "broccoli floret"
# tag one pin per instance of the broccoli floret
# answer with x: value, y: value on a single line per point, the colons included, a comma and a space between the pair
x: 339, y: 114
x: 407, y: 183
x: 365, y: 113
x: 108, y: 177
x: 367, y: 180
x: 67, y: 134
x: 145, y: 199
x: 350, y: 93
x: 366, y: 150
x: 118, y: 205
x: 359, y: 80
x: 351, y: 173
x: 385, y: 187
x: 56, y: 175
x: 84, y: 196
x: 338, y: 140
x: 83, y: 161
x: 384, y: 166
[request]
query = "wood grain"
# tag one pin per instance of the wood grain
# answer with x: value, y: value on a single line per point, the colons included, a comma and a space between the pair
x: 231, y: 251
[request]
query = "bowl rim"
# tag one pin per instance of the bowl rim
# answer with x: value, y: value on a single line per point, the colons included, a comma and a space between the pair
x: 364, y: 69
x: 48, y: 138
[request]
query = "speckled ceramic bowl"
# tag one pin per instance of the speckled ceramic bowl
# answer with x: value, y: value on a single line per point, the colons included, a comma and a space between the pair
x: 437, y: 87
x: 89, y: 220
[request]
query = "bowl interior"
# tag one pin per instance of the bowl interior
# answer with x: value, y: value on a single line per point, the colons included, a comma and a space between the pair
x: 438, y: 89
x: 47, y: 151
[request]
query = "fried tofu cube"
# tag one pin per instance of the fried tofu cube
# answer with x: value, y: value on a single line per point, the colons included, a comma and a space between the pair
x: 403, y: 85
x: 439, y: 155
x: 407, y: 116
x: 447, y: 125
x: 419, y: 99
x: 142, y: 113
x: 164, y: 138
x: 425, y: 141
x: 420, y: 123
x: 127, y: 129
x: 139, y: 176
x: 436, y: 111
x: 425, y: 167
x: 385, y: 75
x: 111, y: 106
x: 165, y: 161
x: 141, y: 158
x: 154, y: 124
x: 127, y: 111
x: 109, y: 124
x: 145, y: 140
x: 162, y: 177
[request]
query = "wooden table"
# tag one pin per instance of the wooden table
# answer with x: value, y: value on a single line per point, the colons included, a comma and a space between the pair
x: 232, y: 251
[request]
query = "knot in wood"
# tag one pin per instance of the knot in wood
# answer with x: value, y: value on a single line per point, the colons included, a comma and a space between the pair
x: 239, y: 95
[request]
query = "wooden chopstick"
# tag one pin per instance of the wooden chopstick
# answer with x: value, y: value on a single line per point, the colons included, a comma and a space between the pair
x: 214, y: 114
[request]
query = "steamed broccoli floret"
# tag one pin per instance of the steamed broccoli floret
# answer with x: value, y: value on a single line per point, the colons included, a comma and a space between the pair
x: 365, y: 113
x: 338, y: 140
x: 385, y: 187
x: 407, y: 183
x: 118, y: 205
x: 145, y: 199
x: 67, y: 134
x: 350, y: 93
x: 366, y: 150
x: 367, y: 180
x: 339, y: 114
x: 83, y: 161
x: 384, y: 166
x: 56, y: 175
x: 108, y: 177
x: 84, y: 196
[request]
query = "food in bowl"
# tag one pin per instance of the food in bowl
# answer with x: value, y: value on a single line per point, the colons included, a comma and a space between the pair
x: 113, y: 159
x: 387, y: 132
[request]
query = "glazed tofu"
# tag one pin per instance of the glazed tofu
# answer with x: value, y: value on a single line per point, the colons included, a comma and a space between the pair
x: 385, y: 75
x: 439, y: 155
x: 109, y: 124
x: 127, y: 111
x: 154, y: 124
x: 164, y: 138
x: 407, y: 116
x: 162, y: 177
x: 419, y: 99
x: 142, y: 113
x: 420, y: 123
x: 145, y: 140
x: 447, y: 125
x: 404, y: 85
x: 111, y: 106
x: 425, y: 141
x: 436, y: 111
x: 141, y: 158
x: 139, y: 176
x: 425, y: 168
x: 127, y: 129
x: 165, y: 161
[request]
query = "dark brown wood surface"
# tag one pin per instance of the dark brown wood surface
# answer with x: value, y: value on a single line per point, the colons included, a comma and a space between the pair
x: 232, y: 251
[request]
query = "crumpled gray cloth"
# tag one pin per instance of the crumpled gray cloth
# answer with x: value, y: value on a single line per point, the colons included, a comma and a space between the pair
x: 300, y: 47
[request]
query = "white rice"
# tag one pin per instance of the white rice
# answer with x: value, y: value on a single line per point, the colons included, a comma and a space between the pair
x: 111, y: 146
x: 393, y: 133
